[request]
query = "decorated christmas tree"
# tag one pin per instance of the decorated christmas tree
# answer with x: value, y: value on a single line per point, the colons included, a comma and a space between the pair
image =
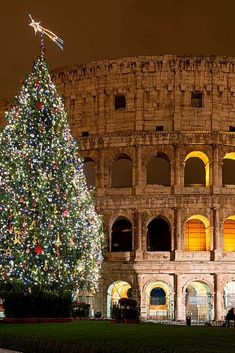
x: 50, y: 233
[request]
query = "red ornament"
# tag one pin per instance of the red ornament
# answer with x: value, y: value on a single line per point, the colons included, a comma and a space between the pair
x: 38, y: 248
x: 21, y: 198
x: 36, y: 83
x: 66, y: 212
x: 40, y: 105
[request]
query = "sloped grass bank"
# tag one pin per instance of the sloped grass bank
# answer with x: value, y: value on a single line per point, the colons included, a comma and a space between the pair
x: 104, y: 337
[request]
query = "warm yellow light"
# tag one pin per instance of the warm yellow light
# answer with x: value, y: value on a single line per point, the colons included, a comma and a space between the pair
x: 229, y: 234
x: 204, y: 158
x: 197, y: 234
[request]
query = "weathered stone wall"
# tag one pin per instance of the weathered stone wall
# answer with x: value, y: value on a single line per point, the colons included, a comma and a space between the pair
x: 158, y: 93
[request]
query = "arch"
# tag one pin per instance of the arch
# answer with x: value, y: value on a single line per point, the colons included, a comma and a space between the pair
x: 229, y: 296
x: 158, y: 170
x: 229, y: 233
x: 196, y: 171
x: 228, y: 169
x: 121, y: 172
x: 197, y: 234
x: 121, y: 238
x: 89, y: 169
x: 117, y: 290
x: 159, y: 301
x: 198, y: 301
x: 159, y: 235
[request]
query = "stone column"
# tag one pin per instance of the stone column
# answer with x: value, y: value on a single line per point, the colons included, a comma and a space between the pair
x: 178, y: 227
x: 138, y: 252
x: 218, y: 307
x: 138, y: 174
x: 215, y: 165
x: 179, y: 300
x: 101, y: 173
x: 177, y: 172
x: 216, y: 225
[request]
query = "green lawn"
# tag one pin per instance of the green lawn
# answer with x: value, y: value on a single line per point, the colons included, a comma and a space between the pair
x: 180, y: 339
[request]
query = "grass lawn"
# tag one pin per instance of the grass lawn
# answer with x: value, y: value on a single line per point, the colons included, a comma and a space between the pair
x: 180, y: 339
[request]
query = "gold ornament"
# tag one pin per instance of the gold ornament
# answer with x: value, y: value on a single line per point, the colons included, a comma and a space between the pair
x: 45, y: 268
x: 17, y: 239
x: 8, y: 251
x: 32, y: 225
x: 58, y: 242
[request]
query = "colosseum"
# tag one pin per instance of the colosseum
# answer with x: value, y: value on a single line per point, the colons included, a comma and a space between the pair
x: 158, y: 138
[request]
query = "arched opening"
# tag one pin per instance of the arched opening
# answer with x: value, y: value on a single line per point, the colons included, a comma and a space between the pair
x: 159, y: 235
x: 121, y: 173
x: 229, y: 296
x: 198, y: 301
x: 158, y: 171
x: 89, y: 172
x: 121, y: 235
x: 157, y: 296
x: 196, y: 170
x: 197, y: 234
x: 160, y: 304
x: 116, y: 291
x: 228, y: 169
x: 229, y: 234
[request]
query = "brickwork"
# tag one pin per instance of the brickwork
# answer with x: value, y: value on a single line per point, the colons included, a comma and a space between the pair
x: 158, y: 93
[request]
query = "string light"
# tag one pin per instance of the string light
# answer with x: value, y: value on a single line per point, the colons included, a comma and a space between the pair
x: 50, y: 233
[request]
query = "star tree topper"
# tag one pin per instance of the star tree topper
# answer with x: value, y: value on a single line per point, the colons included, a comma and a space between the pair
x: 38, y: 28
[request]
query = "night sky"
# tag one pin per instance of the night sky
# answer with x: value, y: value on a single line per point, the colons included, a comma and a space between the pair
x: 103, y: 29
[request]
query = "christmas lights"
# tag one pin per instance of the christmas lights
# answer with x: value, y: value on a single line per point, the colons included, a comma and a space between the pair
x: 50, y: 233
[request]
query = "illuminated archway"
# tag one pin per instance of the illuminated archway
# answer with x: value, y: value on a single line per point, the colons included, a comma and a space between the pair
x: 158, y: 171
x: 229, y: 296
x: 228, y: 169
x: 198, y: 301
x: 196, y: 171
x: 116, y: 291
x: 197, y: 234
x: 121, y: 172
x: 159, y: 301
x: 229, y: 234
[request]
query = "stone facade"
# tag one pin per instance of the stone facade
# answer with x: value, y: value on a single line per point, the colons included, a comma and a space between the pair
x: 176, y: 110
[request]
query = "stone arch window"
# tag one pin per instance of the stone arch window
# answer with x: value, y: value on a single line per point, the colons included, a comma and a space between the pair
x: 157, y: 296
x: 198, y: 301
x: 158, y: 170
x: 121, y: 172
x: 229, y: 295
x: 116, y: 291
x: 121, y: 238
x: 228, y: 169
x: 159, y: 301
x: 197, y: 234
x: 89, y: 171
x: 196, y: 170
x: 159, y: 235
x: 229, y: 234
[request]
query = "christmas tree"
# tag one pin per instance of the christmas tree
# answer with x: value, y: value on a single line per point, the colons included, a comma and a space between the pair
x: 50, y: 233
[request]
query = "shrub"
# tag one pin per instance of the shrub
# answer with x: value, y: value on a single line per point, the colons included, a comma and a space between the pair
x: 36, y: 302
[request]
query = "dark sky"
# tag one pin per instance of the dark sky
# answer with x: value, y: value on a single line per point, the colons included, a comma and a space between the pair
x: 111, y: 28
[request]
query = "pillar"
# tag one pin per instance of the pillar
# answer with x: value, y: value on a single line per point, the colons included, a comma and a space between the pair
x: 219, y: 307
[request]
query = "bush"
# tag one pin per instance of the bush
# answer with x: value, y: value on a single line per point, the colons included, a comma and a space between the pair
x: 35, y: 302
x: 81, y: 309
